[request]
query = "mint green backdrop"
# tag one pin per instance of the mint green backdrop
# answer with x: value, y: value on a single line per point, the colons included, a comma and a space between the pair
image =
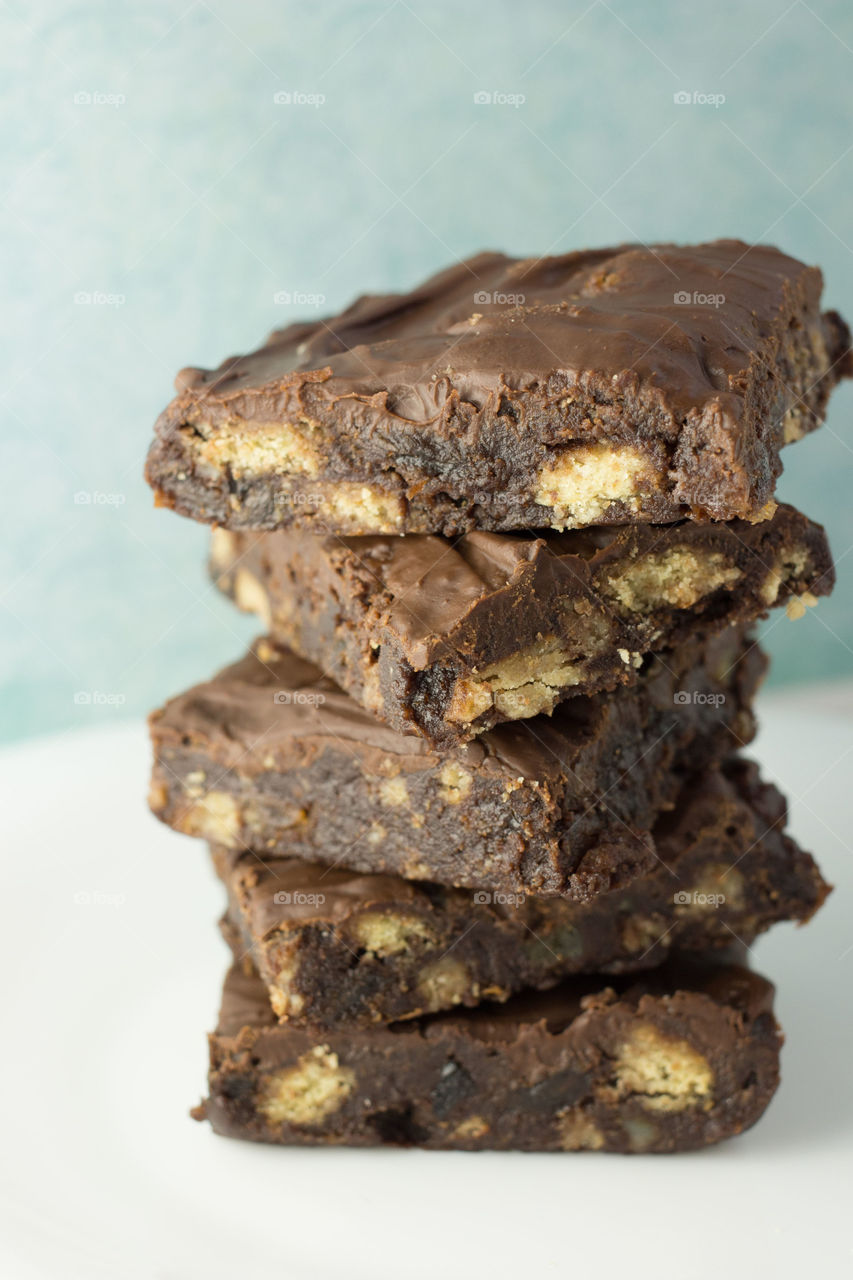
x: 158, y: 199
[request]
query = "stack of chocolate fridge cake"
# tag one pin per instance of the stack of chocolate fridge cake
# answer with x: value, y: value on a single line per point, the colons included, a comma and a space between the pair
x: 490, y: 852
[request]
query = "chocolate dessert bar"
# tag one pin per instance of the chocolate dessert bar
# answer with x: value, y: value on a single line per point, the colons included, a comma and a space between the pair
x: 450, y: 638
x: 335, y: 948
x: 678, y: 1059
x: 272, y: 756
x: 636, y: 383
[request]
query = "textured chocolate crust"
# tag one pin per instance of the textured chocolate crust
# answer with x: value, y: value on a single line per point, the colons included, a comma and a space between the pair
x: 599, y: 387
x: 682, y: 1058
x: 450, y: 638
x: 336, y: 949
x: 271, y: 755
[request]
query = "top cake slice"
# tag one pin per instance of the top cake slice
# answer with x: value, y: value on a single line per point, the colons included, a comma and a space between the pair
x: 602, y: 387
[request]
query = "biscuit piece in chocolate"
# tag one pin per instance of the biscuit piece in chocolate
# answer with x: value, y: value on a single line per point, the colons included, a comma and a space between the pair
x: 448, y: 638
x: 678, y: 1059
x: 601, y: 387
x: 336, y: 948
x: 271, y: 755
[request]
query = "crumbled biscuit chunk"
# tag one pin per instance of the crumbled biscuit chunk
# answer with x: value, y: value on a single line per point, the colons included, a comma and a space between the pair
x: 678, y: 577
x: 309, y: 1092
x: 444, y: 983
x: 455, y: 783
x: 215, y: 816
x: 259, y: 447
x: 577, y: 1131
x: 393, y: 792
x: 387, y: 935
x: 667, y: 1073
x: 582, y: 482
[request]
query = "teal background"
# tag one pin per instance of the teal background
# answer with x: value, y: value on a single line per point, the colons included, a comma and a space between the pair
x: 182, y: 198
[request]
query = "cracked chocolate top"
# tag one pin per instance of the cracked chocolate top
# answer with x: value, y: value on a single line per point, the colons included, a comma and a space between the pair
x: 680, y: 323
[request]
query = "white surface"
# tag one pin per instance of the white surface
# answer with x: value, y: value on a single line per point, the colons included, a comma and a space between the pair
x: 105, y: 1008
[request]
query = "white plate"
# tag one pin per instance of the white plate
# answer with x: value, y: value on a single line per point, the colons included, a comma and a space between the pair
x: 112, y: 977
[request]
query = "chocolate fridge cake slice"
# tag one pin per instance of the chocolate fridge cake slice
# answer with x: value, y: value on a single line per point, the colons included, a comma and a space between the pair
x: 678, y: 1059
x: 339, y: 949
x: 271, y: 755
x: 601, y: 387
x: 447, y: 638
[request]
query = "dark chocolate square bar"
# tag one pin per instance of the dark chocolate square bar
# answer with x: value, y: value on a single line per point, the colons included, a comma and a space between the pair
x: 601, y: 387
x: 680, y: 1058
x: 336, y: 948
x: 271, y: 755
x: 448, y: 638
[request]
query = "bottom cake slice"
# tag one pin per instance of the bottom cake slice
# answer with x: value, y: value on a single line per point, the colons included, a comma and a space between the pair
x: 682, y: 1058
